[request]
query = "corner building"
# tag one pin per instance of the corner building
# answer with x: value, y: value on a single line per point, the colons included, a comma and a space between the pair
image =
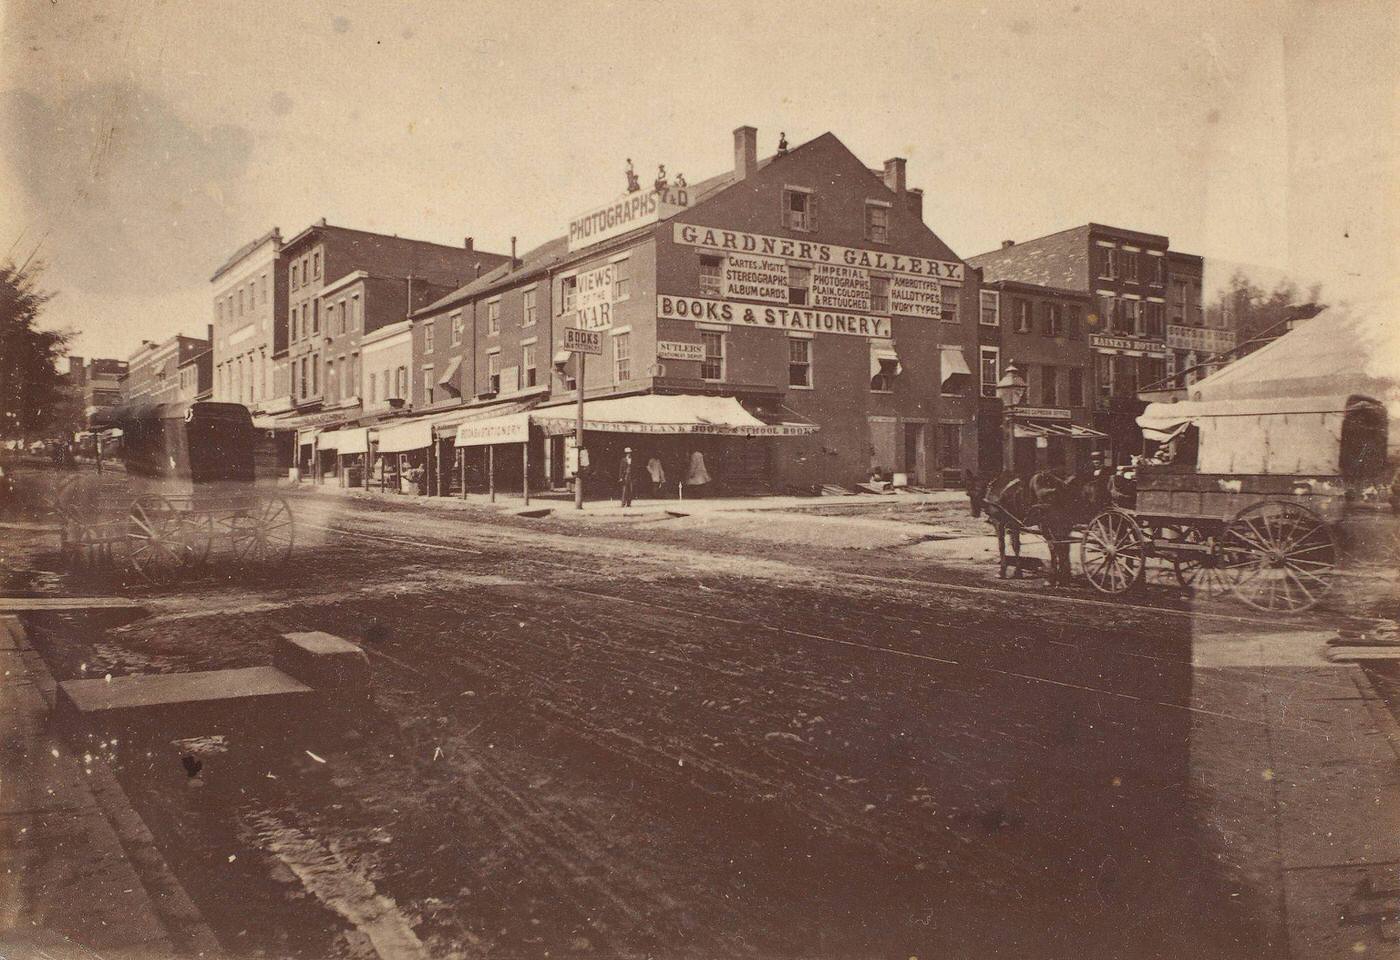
x: 791, y: 319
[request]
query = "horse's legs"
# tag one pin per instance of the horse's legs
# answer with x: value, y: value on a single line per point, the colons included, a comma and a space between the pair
x: 1016, y: 547
x: 1001, y: 550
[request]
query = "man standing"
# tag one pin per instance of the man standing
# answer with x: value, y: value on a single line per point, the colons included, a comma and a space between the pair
x: 626, y: 475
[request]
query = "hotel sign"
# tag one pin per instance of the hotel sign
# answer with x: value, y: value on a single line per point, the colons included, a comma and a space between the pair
x: 736, y: 241
x: 627, y: 212
x: 1128, y: 346
x: 747, y: 277
x: 771, y: 317
x: 680, y: 350
x: 1200, y: 339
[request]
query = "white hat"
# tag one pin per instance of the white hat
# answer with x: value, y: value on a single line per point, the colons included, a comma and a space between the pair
x: 626, y: 449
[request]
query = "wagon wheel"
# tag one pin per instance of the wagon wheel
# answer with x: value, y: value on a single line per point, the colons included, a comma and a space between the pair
x: 1279, y: 556
x: 1113, y: 553
x: 264, y: 533
x: 1203, y: 572
x: 162, y: 541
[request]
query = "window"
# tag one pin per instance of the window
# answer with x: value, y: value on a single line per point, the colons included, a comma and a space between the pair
x: 1022, y: 311
x: 798, y: 212
x: 373, y: 388
x: 240, y: 301
x: 1159, y: 271
x: 344, y: 317
x: 428, y: 385
x: 355, y: 312
x: 305, y: 320
x: 885, y: 371
x: 622, y: 357
x: 711, y: 271
x: 880, y: 294
x: 527, y: 364
x: 428, y: 329
x: 316, y: 264
x: 294, y: 276
x: 712, y: 367
x: 990, y: 314
x: 305, y: 271
x: 1049, y: 383
x: 991, y: 371
x: 401, y: 382
x: 388, y: 386
x: 493, y: 372
x: 877, y: 222
x: 493, y: 318
x: 352, y: 382
x: 1129, y: 265
x: 799, y: 362
x: 568, y: 288
x: 330, y: 379
x: 622, y: 279
x: 1076, y: 387
x: 315, y: 316
x: 303, y: 378
x: 262, y: 287
x: 531, y: 311
x: 458, y: 327
x: 1156, y: 319
x: 799, y: 282
x: 218, y: 311
x: 315, y: 374
x: 1073, y: 320
x: 948, y: 303
x: 1108, y: 263
x: 949, y: 443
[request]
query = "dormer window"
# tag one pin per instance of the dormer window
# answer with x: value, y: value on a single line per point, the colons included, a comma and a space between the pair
x: 799, y: 209
x: 877, y: 221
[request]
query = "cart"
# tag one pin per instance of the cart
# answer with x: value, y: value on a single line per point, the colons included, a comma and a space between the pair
x: 185, y: 485
x: 1253, y: 499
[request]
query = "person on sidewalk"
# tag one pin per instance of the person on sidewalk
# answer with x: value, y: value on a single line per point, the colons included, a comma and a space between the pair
x: 657, y: 474
x: 626, y: 476
x: 698, y: 478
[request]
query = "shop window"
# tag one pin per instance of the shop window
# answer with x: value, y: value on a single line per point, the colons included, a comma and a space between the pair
x: 799, y: 362
x: 989, y: 314
x: 493, y: 318
x: 799, y: 210
x: 712, y: 367
x: 458, y: 327
x: 622, y: 357
x: 948, y: 303
x: 877, y: 222
x: 991, y: 371
x: 880, y: 294
x: 527, y: 363
x: 531, y: 305
x: 622, y: 279
x: 799, y: 284
x: 711, y: 273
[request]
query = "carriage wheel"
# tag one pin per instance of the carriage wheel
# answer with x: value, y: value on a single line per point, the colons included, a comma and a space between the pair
x: 1113, y: 553
x: 1279, y: 556
x: 162, y: 541
x: 264, y: 534
x: 1203, y: 572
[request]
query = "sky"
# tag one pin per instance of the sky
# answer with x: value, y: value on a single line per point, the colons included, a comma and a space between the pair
x: 141, y: 142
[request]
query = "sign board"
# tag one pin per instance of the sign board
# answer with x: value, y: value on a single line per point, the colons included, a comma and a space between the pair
x: 1202, y: 339
x: 771, y: 317
x: 748, y: 277
x: 594, y: 297
x: 839, y: 286
x: 916, y: 296
x: 1128, y: 346
x: 627, y: 212
x: 1040, y: 413
x: 734, y: 241
x: 571, y: 456
x: 508, y: 429
x: 680, y: 350
x: 583, y: 341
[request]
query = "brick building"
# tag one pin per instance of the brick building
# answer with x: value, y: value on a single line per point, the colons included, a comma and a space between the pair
x: 1125, y: 272
x: 250, y: 294
x: 792, y: 319
x: 96, y: 386
x: 197, y: 377
x: 153, y: 371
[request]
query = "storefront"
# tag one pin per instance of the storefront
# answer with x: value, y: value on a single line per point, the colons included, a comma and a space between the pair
x: 1044, y: 438
x: 401, y: 456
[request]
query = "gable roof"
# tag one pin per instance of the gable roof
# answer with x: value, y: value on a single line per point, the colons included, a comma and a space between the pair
x: 243, y: 251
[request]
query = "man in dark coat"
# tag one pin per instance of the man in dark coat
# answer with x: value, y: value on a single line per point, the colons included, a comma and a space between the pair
x: 626, y: 476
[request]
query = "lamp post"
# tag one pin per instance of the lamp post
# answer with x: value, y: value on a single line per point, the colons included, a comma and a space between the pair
x: 1011, y: 391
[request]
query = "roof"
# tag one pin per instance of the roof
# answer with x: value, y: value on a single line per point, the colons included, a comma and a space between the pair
x: 244, y: 250
x: 1020, y: 286
x: 321, y: 225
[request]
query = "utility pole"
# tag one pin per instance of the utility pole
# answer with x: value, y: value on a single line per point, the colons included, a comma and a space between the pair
x: 578, y: 438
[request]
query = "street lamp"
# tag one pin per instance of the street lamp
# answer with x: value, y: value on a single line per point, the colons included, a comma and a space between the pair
x: 1011, y: 391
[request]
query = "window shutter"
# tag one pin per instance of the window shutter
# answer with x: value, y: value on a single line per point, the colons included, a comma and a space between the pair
x: 811, y: 211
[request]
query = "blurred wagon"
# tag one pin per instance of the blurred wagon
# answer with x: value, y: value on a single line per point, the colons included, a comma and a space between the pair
x: 188, y: 484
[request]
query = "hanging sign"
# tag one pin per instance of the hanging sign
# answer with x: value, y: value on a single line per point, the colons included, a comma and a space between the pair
x: 748, y: 277
x: 840, y: 286
x: 583, y: 341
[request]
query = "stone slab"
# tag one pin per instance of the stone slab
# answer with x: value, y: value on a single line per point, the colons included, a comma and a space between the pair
x: 45, y: 604
x: 322, y: 661
x: 186, y: 701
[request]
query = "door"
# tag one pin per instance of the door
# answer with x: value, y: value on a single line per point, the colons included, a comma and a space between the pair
x: 914, y: 452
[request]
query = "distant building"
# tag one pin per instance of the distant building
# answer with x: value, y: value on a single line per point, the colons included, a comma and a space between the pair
x: 197, y: 377
x: 96, y: 385
x: 153, y: 371
x: 250, y: 295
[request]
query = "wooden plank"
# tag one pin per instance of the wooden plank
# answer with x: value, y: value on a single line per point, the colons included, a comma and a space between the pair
x: 39, y: 604
x: 1346, y: 654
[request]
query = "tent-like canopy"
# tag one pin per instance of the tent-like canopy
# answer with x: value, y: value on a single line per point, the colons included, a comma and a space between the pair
x: 661, y: 413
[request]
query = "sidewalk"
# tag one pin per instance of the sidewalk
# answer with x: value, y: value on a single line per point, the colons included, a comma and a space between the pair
x: 79, y: 873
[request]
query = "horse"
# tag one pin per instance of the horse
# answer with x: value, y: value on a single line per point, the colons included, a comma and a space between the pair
x: 1044, y: 501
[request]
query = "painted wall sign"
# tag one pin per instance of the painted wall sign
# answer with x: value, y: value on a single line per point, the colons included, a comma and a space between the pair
x: 776, y: 318
x: 736, y: 241
x: 1128, y: 346
x: 680, y: 350
x: 1041, y: 413
x: 839, y: 286
x: 748, y: 277
x: 915, y: 296
x: 1203, y: 339
x: 627, y: 212
x: 508, y: 429
x: 594, y: 296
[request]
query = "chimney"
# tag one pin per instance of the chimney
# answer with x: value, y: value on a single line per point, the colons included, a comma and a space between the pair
x: 915, y: 198
x: 513, y: 261
x: 209, y: 333
x: 745, y: 152
x: 469, y: 244
x: 1008, y: 243
x: 478, y: 268
x: 894, y: 174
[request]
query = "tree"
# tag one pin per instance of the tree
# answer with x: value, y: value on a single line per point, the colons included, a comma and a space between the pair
x: 1255, y: 314
x: 32, y: 392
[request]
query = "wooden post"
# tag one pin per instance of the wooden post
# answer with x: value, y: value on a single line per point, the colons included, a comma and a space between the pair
x: 491, y: 471
x: 578, y: 438
x: 525, y: 465
x: 462, y: 469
